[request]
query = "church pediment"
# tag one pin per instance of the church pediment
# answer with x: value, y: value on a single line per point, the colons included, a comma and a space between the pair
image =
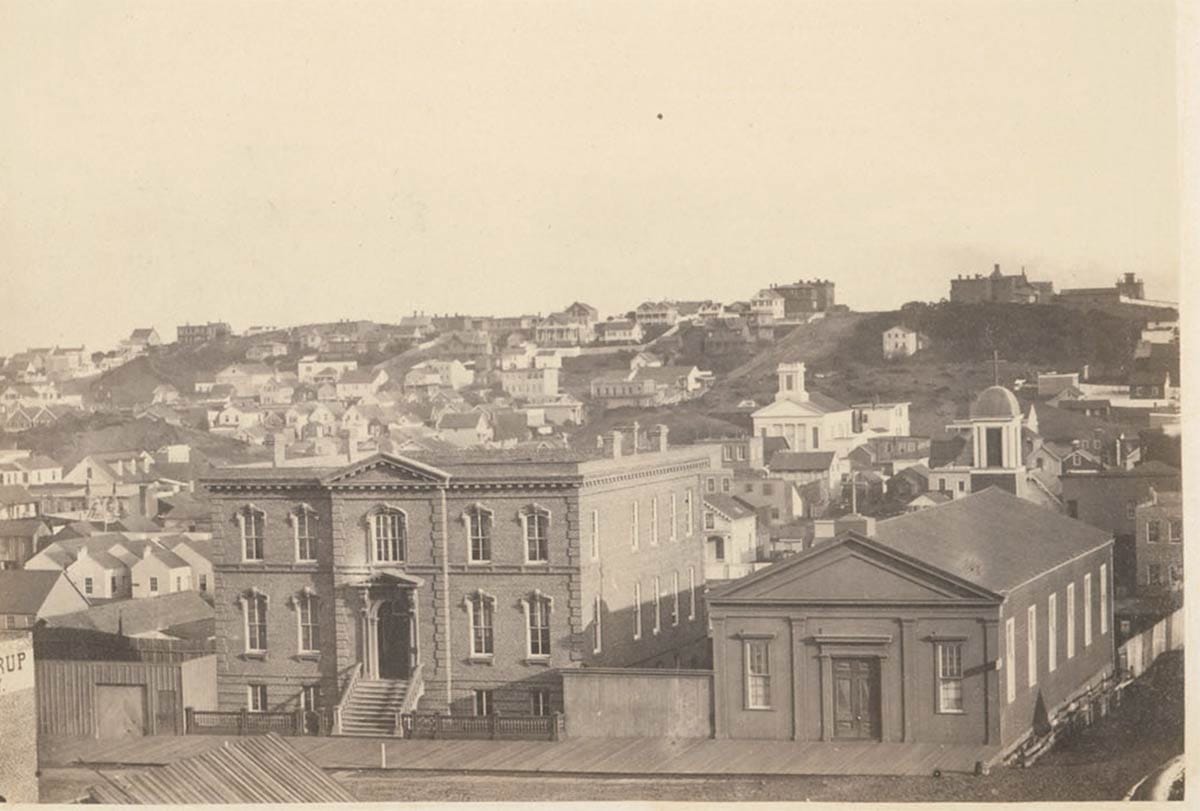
x: 852, y: 570
x: 786, y: 408
x: 385, y: 468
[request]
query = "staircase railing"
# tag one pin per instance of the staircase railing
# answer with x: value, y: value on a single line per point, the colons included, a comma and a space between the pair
x: 416, y: 689
x: 355, y: 674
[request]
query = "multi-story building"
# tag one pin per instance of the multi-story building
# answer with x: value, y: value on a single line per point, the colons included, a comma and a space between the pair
x: 1158, y: 542
x: 901, y: 342
x: 1000, y: 288
x: 804, y: 298
x: 530, y: 384
x: 466, y: 579
x: 192, y: 334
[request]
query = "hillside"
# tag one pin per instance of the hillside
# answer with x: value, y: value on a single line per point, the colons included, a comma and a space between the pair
x: 73, y: 437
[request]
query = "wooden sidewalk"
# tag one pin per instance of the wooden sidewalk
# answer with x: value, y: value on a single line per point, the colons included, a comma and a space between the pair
x: 595, y: 756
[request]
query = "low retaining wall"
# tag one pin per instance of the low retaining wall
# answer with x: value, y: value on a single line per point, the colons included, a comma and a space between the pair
x: 637, y: 703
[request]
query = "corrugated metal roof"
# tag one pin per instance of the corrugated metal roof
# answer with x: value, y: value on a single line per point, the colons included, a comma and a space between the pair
x: 263, y: 769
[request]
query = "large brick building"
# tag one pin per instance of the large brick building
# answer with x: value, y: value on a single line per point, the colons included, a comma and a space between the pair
x: 467, y: 579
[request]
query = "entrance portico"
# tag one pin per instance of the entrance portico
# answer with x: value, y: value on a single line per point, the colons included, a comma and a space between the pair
x: 389, y: 646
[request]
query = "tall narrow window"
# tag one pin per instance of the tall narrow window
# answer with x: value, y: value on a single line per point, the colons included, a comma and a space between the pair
x: 757, y: 653
x: 657, y: 605
x: 691, y: 512
x: 480, y: 609
x: 673, y: 530
x: 635, y: 529
x: 691, y: 592
x: 1087, y: 610
x: 1031, y: 657
x: 637, y: 610
x: 251, y: 522
x: 597, y: 634
x: 479, y: 531
x: 538, y: 610
x: 1052, y: 633
x: 654, y: 521
x: 483, y: 702
x: 306, y: 609
x: 1070, y: 621
x: 87, y: 585
x: 1103, y: 599
x: 390, y: 528
x: 539, y: 702
x: 595, y: 535
x: 306, y: 543
x: 256, y: 697
x: 949, y: 676
x: 674, y: 598
x: 255, y: 606
x: 537, y: 535
x: 1010, y: 659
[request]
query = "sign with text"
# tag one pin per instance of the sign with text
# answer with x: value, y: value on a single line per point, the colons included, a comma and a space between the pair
x: 16, y: 664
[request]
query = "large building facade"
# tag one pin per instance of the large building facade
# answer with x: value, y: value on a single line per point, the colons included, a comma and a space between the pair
x: 467, y: 580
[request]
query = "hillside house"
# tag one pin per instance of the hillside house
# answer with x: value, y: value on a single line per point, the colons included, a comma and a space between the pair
x: 881, y: 419
x: 160, y: 571
x: 908, y: 483
x: 1150, y: 384
x: 1000, y: 288
x: 465, y: 430
x: 264, y: 350
x: 19, y: 540
x: 26, y: 467
x: 802, y: 467
x: 809, y: 421
x: 557, y: 411
x: 360, y: 383
x: 17, y: 502
x: 643, y: 360
x: 957, y: 625
x: 1158, y: 543
x: 277, y: 391
x: 656, y: 314
x: 26, y: 597
x: 530, y: 384
x: 901, y: 342
x: 619, y: 331
x: 317, y: 369
x: 730, y: 335
x: 427, y: 377
x: 519, y: 356
x: 197, y: 334
x: 584, y: 314
x: 731, y: 546
x: 768, y: 305
x: 559, y: 329
x: 139, y: 341
x: 245, y: 378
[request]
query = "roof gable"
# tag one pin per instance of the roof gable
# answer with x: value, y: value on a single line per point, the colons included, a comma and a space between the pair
x: 788, y: 408
x: 852, y: 569
x: 386, y: 468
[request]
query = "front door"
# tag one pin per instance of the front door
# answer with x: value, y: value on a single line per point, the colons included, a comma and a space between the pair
x: 856, y: 699
x: 394, y: 640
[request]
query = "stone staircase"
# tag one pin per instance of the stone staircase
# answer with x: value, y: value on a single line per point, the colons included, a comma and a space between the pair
x: 371, y: 707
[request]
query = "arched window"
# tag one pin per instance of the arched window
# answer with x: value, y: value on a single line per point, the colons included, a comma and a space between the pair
x: 254, y: 616
x: 478, y: 520
x: 389, y: 534
x: 536, y: 522
x: 303, y: 520
x: 481, y: 612
x: 306, y: 603
x: 251, y: 521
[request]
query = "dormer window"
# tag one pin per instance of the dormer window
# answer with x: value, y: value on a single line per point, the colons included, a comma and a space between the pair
x: 389, y: 534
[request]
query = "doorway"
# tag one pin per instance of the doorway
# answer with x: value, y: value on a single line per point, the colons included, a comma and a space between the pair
x: 120, y: 710
x: 395, y: 640
x: 856, y: 706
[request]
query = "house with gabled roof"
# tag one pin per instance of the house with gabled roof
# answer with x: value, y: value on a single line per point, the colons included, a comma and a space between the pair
x: 808, y: 420
x: 963, y: 625
x: 28, y: 596
x: 465, y: 429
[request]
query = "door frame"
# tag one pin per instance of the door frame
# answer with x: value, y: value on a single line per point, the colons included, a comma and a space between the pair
x: 856, y: 646
x: 875, y: 680
x: 369, y: 630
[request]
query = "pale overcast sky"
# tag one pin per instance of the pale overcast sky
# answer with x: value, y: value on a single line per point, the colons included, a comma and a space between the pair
x: 282, y: 162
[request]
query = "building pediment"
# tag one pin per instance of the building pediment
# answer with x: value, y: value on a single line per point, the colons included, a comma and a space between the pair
x: 852, y: 570
x: 786, y: 408
x: 384, y: 469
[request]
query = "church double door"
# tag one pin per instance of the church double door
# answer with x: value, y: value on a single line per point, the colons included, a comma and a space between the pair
x: 856, y: 705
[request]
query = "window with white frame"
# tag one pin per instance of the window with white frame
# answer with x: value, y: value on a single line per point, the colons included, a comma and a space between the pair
x: 595, y: 535
x: 637, y: 610
x: 250, y: 522
x: 1087, y: 609
x: 674, y: 598
x: 154, y: 585
x: 87, y: 585
x: 1031, y: 652
x: 691, y: 592
x: 537, y: 624
x: 949, y: 677
x: 1010, y: 660
x: 481, y: 611
x: 303, y: 519
x: 1070, y: 620
x: 539, y: 702
x: 1103, y: 599
x: 691, y: 512
x: 635, y: 529
x: 483, y: 702
x: 597, y: 633
x: 757, y: 655
x: 254, y: 607
x: 654, y: 521
x: 307, y: 616
x: 479, y: 534
x: 657, y: 605
x: 673, y: 530
x: 256, y: 697
x: 389, y: 535
x: 1052, y: 633
x: 536, y: 521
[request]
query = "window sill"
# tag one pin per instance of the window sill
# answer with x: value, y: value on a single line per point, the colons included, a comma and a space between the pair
x: 543, y: 661
x: 481, y: 659
x: 307, y: 656
x: 951, y: 712
x: 760, y: 709
x: 260, y: 655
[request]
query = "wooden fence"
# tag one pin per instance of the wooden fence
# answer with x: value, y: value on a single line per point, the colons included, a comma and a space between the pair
x: 1136, y: 654
x: 244, y: 722
x: 638, y: 702
x: 498, y: 727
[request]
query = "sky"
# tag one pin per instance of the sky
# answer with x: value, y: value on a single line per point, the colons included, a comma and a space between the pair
x: 286, y: 162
